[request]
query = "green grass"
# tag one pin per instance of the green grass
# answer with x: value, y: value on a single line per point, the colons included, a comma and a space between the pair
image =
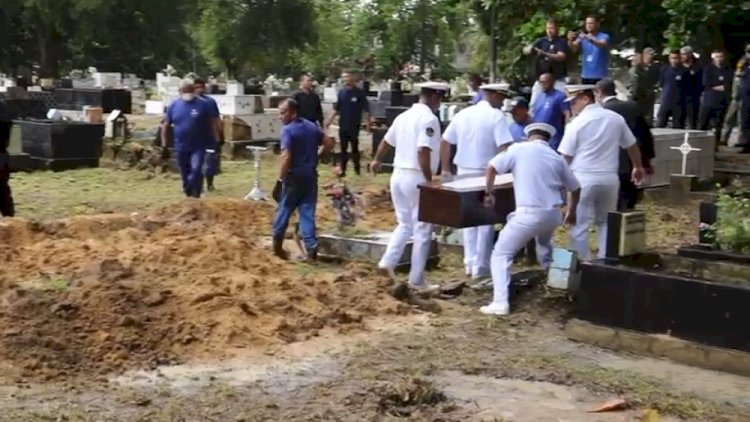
x: 48, y: 195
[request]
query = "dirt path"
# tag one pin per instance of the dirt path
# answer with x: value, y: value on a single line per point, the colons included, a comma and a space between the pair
x: 455, y: 366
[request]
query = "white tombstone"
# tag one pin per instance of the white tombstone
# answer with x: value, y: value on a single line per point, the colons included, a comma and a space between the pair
x: 107, y: 80
x: 235, y: 88
x: 84, y: 83
x: 54, y: 114
x: 234, y: 105
x: 153, y: 107
x: 330, y: 94
x: 685, y: 148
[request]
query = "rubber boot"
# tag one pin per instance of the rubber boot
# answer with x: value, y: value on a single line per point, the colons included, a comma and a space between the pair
x: 357, y: 164
x: 210, y: 183
x: 278, y: 247
x: 312, y: 254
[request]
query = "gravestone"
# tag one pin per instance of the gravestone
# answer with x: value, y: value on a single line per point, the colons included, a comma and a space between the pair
x: 61, y: 145
x: 239, y: 105
x: 668, y: 160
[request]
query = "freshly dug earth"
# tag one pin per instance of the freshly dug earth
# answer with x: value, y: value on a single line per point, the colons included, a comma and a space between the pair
x: 96, y: 294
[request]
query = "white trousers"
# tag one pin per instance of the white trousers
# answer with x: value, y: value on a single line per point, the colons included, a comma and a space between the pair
x: 477, y: 242
x: 597, y: 200
x: 536, y: 89
x: 405, y: 198
x: 523, y: 225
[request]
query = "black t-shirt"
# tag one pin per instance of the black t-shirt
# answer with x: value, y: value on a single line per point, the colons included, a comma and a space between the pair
x: 716, y: 76
x: 309, y: 106
x: 543, y: 64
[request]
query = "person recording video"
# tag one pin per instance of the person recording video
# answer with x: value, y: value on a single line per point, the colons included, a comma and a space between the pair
x: 594, y: 48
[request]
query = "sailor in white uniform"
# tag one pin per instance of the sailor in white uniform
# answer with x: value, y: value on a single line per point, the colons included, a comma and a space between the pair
x: 415, y: 134
x: 539, y: 177
x: 479, y: 132
x: 591, y: 145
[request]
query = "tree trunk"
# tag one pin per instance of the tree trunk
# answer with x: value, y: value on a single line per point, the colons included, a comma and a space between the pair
x: 47, y: 56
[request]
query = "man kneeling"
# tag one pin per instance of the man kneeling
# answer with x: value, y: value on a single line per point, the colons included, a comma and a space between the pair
x: 539, y: 175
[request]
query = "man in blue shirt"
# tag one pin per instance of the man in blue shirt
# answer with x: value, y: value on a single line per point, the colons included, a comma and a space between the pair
x: 551, y: 108
x: 672, y: 95
x: 521, y: 118
x: 475, y: 81
x: 195, y: 125
x: 302, y: 141
x: 213, y: 154
x: 349, y: 106
x: 594, y: 47
x: 550, y: 56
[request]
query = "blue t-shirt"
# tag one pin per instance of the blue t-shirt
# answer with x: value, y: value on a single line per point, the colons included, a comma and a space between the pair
x: 516, y: 130
x: 595, y: 60
x: 193, y: 123
x: 302, y: 138
x: 549, y: 108
x: 350, y: 104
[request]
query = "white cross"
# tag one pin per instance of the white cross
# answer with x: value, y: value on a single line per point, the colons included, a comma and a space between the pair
x: 685, y: 149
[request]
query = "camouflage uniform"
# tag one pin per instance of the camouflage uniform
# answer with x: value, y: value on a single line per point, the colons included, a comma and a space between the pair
x: 643, y: 80
x: 733, y: 117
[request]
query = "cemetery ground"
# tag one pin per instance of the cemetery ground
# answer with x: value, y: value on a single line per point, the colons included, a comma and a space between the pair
x: 123, y: 301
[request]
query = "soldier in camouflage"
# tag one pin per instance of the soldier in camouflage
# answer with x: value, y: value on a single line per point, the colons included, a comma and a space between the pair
x: 733, y: 111
x: 644, y: 78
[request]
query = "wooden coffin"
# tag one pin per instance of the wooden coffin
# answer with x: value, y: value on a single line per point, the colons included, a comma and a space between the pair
x: 458, y: 204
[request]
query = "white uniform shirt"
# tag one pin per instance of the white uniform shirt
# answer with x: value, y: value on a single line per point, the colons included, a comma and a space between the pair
x: 477, y: 131
x: 414, y: 128
x: 539, y: 174
x: 594, y: 139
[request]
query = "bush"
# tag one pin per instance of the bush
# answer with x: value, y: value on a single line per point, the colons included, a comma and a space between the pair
x: 731, y: 231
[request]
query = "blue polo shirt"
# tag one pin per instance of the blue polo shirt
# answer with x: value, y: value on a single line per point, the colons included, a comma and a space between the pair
x: 302, y: 138
x: 516, y: 130
x: 350, y: 105
x: 672, y: 83
x: 595, y: 60
x: 549, y: 108
x: 192, y: 121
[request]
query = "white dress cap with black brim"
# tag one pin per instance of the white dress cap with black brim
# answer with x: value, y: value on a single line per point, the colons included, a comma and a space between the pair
x: 543, y: 127
x: 501, y: 88
x: 440, y: 87
x: 574, y: 90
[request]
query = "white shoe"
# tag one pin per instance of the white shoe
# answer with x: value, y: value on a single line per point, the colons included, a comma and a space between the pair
x: 388, y: 271
x: 424, y: 287
x: 495, y: 309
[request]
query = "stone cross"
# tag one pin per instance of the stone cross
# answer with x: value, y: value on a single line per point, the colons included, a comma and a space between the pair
x: 256, y: 194
x: 685, y: 149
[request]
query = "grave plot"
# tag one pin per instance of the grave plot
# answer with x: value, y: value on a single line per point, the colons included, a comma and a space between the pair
x: 88, y: 296
x: 724, y: 230
x: 61, y: 145
x: 703, y: 303
x: 682, y: 152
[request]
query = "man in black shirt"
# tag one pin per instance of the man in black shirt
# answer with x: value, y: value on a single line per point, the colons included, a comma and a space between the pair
x: 308, y: 101
x: 6, y: 199
x: 717, y: 84
x: 550, y: 53
x: 692, y: 83
x: 350, y: 105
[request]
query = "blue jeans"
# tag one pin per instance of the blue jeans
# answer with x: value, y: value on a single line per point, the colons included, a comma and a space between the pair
x: 191, y: 170
x: 300, y: 193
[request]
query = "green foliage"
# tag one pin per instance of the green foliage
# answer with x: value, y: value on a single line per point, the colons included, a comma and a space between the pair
x: 732, y: 228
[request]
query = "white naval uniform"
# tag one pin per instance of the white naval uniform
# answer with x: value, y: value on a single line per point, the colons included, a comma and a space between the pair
x: 415, y: 128
x: 539, y: 175
x: 477, y: 131
x: 594, y: 139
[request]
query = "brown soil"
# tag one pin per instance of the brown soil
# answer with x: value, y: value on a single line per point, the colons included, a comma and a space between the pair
x: 96, y: 294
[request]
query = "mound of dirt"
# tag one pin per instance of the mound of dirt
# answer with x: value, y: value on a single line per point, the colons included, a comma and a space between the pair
x: 96, y: 294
